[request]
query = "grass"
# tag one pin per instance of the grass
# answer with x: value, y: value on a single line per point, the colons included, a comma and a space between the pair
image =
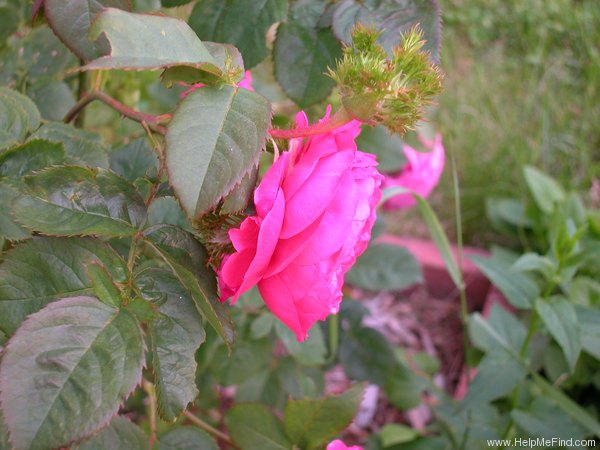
x: 522, y: 86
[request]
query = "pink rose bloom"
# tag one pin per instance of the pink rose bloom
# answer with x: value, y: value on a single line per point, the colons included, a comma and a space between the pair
x: 420, y: 174
x: 339, y: 445
x: 315, y: 208
x: 246, y: 83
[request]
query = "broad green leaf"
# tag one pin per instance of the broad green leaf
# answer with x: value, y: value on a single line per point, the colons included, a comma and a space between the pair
x: 41, y: 270
x: 172, y: 3
x: 175, y: 336
x: 186, y: 438
x: 239, y: 198
x: 53, y: 98
x: 148, y: 42
x: 246, y: 360
x: 71, y: 20
x: 497, y: 375
x: 589, y: 321
x: 238, y: 22
x: 18, y: 116
x: 9, y: 228
x: 558, y: 314
x: 546, y: 192
x: 9, y: 22
x: 166, y: 210
x: 312, y: 352
x: 391, y: 18
x: 542, y: 418
x: 393, y: 433
x: 73, y: 200
x: 44, y: 57
x: 499, y: 325
x: 313, y: 422
x: 134, y: 160
x: 564, y: 402
x: 262, y: 326
x: 120, y: 434
x: 537, y: 263
x: 366, y: 355
x: 440, y: 239
x: 301, y: 58
x: 384, y: 266
x: 102, y: 284
x: 518, y: 288
x: 187, y: 259
x: 213, y: 141
x: 87, y: 359
x: 253, y: 426
x: 82, y: 146
x: 34, y: 155
x: 388, y: 148
x: 503, y: 211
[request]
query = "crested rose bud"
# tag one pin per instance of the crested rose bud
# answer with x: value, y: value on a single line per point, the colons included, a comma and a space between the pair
x: 315, y: 208
x: 420, y: 174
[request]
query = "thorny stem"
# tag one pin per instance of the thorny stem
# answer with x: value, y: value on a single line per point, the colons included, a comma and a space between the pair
x: 82, y: 81
x: 149, y: 388
x: 153, y: 122
x: 337, y: 120
x: 212, y: 430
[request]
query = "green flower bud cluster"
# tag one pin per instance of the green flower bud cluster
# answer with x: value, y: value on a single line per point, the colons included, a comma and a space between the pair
x: 391, y: 92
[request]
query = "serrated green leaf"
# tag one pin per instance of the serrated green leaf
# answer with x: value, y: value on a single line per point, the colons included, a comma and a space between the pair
x: 519, y: 289
x: 262, y: 326
x: 9, y: 228
x: 41, y: 270
x: 102, y: 284
x: 239, y: 198
x: 394, y: 433
x: 120, y: 434
x: 53, y: 98
x: 172, y: 3
x: 238, y: 22
x: 186, y: 438
x: 166, y: 210
x: 497, y: 375
x: 313, y: 422
x: 71, y: 20
x: 18, y: 116
x: 301, y: 57
x: 391, y: 18
x: 558, y: 314
x: 246, y: 360
x: 9, y: 22
x: 213, y: 141
x: 84, y: 147
x: 311, y: 352
x: 86, y: 360
x: 44, y: 56
x: 187, y: 259
x: 384, y: 266
x: 34, y: 155
x: 134, y: 160
x: 546, y: 192
x: 542, y: 418
x: 388, y: 148
x: 175, y: 336
x: 253, y: 426
x: 73, y: 200
x: 148, y: 42
x: 500, y: 329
